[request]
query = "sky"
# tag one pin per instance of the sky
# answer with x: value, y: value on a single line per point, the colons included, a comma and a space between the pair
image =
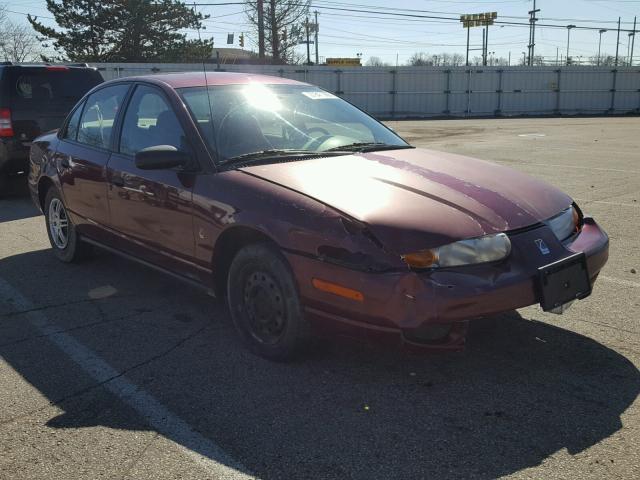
x: 395, y: 38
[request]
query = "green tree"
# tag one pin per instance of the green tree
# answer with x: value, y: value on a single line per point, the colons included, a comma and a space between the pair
x: 123, y: 30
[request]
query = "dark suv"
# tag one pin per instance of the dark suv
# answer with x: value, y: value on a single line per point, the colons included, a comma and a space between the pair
x: 33, y: 100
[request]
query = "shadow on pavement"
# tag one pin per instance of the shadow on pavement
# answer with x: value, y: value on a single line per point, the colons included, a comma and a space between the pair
x: 15, y: 202
x: 520, y: 392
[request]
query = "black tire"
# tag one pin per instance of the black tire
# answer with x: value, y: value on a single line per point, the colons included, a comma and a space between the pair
x: 73, y: 250
x: 264, y: 303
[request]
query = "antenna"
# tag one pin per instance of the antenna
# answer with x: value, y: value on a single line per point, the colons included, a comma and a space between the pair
x: 206, y: 86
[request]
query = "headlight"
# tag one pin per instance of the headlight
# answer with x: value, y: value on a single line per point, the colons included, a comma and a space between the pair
x: 465, y: 252
x: 565, y: 224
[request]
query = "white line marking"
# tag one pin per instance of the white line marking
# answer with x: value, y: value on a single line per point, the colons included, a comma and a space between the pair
x: 205, y: 452
x: 626, y: 283
x: 617, y: 204
x: 567, y: 166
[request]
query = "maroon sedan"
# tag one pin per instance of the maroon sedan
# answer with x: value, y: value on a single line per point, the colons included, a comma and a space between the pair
x: 306, y: 213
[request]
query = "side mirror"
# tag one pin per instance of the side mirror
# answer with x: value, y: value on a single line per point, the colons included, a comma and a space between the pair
x: 161, y: 157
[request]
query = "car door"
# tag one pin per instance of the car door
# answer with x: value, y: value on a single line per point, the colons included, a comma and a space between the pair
x: 151, y: 210
x: 82, y: 155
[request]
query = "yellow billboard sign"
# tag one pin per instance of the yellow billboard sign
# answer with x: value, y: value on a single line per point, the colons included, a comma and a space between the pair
x: 344, y: 62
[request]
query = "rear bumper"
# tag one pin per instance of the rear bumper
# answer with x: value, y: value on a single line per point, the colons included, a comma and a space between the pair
x: 398, y: 304
x: 14, y: 156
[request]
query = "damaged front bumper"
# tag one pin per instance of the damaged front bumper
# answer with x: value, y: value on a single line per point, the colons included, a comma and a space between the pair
x: 406, y: 307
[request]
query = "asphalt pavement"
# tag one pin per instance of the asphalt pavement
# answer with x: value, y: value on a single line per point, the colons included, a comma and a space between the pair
x: 111, y: 370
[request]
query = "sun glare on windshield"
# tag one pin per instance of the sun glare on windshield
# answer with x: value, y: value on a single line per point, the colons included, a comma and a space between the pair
x: 262, y: 98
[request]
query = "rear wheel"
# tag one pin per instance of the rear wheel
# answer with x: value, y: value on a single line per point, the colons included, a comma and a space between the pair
x: 264, y: 303
x: 62, y: 233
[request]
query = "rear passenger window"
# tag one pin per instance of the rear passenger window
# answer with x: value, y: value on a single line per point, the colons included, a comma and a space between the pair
x: 74, y: 122
x: 98, y: 116
x: 150, y: 121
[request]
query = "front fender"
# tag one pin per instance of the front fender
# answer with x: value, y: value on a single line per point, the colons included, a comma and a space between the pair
x: 297, y: 223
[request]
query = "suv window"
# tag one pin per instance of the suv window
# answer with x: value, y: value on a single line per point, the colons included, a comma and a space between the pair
x: 98, y: 116
x: 150, y: 121
x: 29, y: 87
x: 74, y: 122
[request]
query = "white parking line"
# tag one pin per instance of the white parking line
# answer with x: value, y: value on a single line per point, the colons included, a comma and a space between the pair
x: 580, y: 167
x: 625, y: 283
x: 205, y: 452
x: 617, y: 204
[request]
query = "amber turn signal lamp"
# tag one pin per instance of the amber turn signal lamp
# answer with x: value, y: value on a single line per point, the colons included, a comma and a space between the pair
x: 576, y: 219
x: 339, y: 290
x: 422, y: 259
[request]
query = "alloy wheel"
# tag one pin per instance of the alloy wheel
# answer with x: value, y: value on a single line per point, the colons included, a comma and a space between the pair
x: 58, y: 224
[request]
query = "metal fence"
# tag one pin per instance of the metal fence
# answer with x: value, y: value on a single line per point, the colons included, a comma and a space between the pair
x: 421, y: 92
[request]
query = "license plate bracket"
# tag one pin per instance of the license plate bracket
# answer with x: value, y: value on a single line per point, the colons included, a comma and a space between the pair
x: 563, y: 281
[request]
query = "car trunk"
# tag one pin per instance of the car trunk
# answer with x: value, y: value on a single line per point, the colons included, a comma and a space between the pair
x: 40, y: 97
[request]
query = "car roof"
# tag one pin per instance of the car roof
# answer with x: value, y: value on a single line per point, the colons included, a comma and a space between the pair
x: 197, y: 79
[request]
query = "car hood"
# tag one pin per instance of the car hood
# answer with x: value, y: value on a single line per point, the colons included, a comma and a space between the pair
x: 416, y: 198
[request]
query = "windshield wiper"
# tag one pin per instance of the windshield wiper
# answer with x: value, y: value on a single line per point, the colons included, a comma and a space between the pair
x: 367, y: 147
x: 269, y: 153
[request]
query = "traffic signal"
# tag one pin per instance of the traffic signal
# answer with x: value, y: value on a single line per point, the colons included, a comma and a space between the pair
x: 242, y: 39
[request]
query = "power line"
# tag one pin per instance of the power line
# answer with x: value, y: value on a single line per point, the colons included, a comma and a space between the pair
x: 418, y: 15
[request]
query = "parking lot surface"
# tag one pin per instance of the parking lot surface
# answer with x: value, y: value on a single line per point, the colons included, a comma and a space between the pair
x: 111, y: 370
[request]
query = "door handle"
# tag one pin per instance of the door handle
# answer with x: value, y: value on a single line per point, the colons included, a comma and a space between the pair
x: 117, y: 181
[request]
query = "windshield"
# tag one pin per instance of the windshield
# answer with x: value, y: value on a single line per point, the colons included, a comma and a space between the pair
x: 275, y: 119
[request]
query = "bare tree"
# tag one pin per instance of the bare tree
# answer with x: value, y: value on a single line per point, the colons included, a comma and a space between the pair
x: 421, y: 59
x: 457, y: 59
x: 284, y: 26
x: 376, y: 62
x: 18, y: 43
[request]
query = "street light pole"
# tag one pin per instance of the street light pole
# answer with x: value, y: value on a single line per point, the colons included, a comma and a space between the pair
x: 468, y: 32
x: 569, y: 27
x: 633, y: 41
x: 600, y: 43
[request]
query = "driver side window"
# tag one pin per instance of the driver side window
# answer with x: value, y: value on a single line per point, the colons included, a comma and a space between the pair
x: 98, y: 116
x: 150, y: 121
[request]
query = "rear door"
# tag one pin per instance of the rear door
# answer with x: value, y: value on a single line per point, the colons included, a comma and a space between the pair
x: 152, y: 209
x: 40, y: 98
x: 82, y: 155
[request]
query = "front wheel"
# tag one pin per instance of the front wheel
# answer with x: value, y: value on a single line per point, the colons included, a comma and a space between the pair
x: 62, y: 233
x: 264, y: 303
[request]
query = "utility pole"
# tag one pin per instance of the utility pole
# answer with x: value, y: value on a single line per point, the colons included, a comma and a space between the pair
x: 557, y: 55
x: 601, y: 31
x: 633, y: 41
x: 532, y: 32
x: 524, y: 58
x: 306, y: 26
x: 260, y: 7
x: 629, y: 48
x: 275, y: 41
x: 618, y: 41
x: 569, y: 27
x: 316, y: 28
x: 509, y: 64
